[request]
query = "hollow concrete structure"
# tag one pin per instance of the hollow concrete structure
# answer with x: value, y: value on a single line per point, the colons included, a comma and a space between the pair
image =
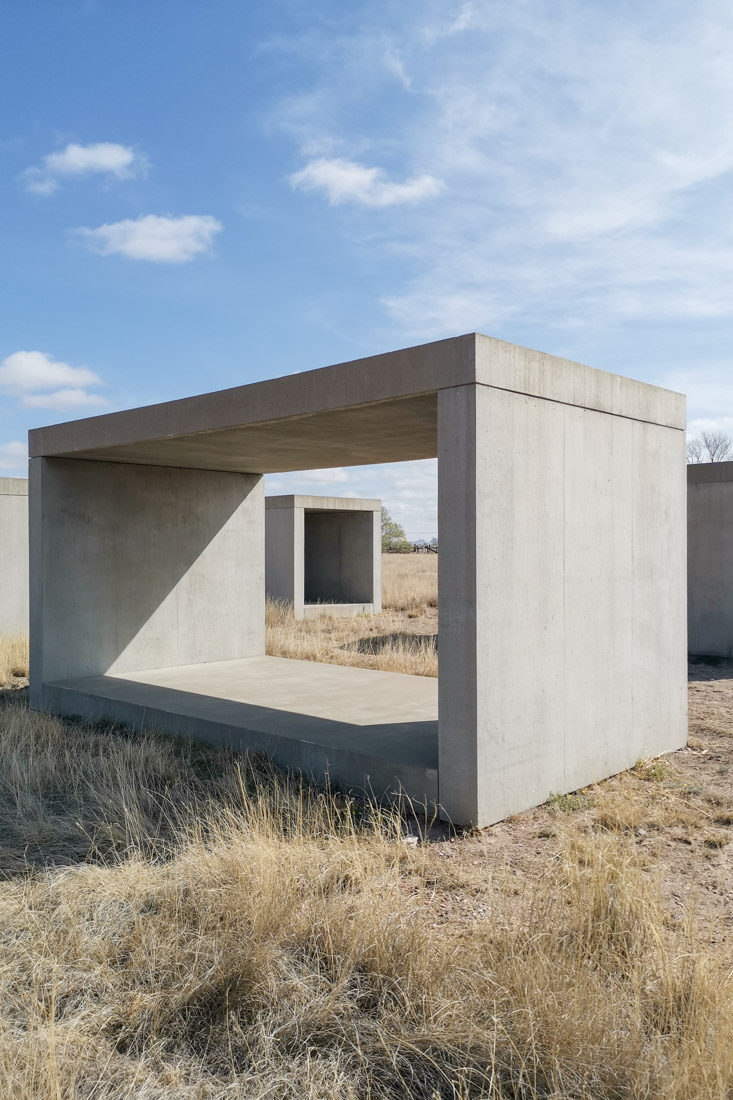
x: 13, y: 555
x: 324, y: 554
x: 710, y: 558
x: 562, y: 579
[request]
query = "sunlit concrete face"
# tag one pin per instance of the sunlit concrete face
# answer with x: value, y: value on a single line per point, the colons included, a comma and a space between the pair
x: 323, y: 554
x: 562, y: 585
x: 13, y: 555
x: 710, y: 558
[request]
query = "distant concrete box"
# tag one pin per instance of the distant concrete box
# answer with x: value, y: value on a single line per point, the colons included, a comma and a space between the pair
x: 562, y: 579
x: 710, y: 558
x: 13, y: 555
x: 324, y: 554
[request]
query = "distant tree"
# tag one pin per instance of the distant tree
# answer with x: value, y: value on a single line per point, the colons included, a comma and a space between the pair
x: 710, y: 447
x: 393, y: 533
x: 695, y: 451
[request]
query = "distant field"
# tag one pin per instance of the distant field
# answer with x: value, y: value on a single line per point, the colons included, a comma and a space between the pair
x: 403, y: 638
x: 409, y: 581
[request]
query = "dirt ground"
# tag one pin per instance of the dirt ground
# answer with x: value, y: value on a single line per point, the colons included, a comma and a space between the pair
x: 676, y: 813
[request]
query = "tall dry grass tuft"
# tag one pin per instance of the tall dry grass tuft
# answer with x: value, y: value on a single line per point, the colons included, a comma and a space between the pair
x: 363, y: 641
x: 13, y: 658
x: 245, y: 935
x: 409, y: 582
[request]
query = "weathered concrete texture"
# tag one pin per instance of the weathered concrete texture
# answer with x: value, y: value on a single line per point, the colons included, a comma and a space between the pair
x: 710, y: 558
x: 324, y: 554
x: 137, y: 567
x: 561, y: 581
x: 370, y: 731
x: 13, y: 555
x: 562, y: 564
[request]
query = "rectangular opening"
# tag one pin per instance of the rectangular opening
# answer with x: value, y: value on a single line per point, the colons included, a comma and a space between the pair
x: 338, y: 549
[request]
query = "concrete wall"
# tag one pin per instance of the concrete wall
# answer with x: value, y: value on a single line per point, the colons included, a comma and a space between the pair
x: 339, y: 557
x: 710, y: 558
x: 324, y: 550
x: 13, y: 555
x: 137, y: 567
x: 284, y: 568
x: 561, y: 597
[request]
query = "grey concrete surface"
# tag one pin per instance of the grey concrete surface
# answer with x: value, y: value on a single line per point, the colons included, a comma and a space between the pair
x: 323, y: 555
x: 379, y: 409
x: 369, y: 731
x: 13, y: 555
x: 710, y: 558
x: 561, y: 581
x: 137, y: 567
x: 562, y: 538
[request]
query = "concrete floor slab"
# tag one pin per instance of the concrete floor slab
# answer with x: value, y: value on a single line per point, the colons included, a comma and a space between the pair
x: 370, y: 731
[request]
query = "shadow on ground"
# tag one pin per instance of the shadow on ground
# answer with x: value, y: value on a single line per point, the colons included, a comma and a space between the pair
x: 380, y: 642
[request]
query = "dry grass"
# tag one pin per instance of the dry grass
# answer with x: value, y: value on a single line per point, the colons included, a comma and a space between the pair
x: 364, y: 641
x: 230, y: 934
x: 409, y: 582
x: 180, y: 923
x: 403, y: 638
x: 13, y: 658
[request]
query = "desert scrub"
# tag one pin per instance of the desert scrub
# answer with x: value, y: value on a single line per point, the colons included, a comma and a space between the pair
x: 363, y: 641
x: 13, y: 658
x: 409, y: 582
x: 245, y: 935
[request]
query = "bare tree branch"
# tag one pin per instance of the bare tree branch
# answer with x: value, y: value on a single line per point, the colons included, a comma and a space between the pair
x: 718, y: 445
x: 694, y: 451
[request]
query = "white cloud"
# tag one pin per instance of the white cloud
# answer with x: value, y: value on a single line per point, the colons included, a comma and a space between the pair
x: 42, y: 382
x: 158, y: 238
x: 586, y: 154
x: 13, y: 456
x: 105, y: 158
x: 348, y: 181
x: 323, y: 477
x: 64, y: 399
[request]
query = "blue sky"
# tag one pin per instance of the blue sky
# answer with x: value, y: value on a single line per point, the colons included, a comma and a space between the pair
x: 200, y: 195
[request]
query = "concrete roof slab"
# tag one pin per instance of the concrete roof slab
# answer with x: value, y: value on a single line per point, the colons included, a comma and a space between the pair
x: 378, y: 409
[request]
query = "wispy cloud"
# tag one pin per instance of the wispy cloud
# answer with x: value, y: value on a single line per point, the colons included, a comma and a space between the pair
x: 348, y: 181
x: 13, y: 456
x: 105, y: 158
x: 154, y: 237
x: 585, y: 152
x: 39, y: 381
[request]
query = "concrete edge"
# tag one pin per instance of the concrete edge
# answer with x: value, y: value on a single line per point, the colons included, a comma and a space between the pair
x: 13, y: 486
x: 358, y: 773
x: 324, y: 504
x: 699, y: 473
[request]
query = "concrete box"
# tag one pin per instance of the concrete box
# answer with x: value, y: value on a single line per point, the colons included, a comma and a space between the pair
x: 710, y: 558
x: 562, y: 572
x: 324, y: 554
x: 13, y: 555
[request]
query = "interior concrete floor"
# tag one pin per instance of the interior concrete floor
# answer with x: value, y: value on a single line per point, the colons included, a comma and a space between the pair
x: 371, y: 731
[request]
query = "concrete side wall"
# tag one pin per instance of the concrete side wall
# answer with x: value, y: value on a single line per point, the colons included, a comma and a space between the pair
x: 13, y: 555
x: 135, y: 567
x: 339, y: 557
x: 284, y: 561
x: 710, y: 564
x: 562, y: 598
